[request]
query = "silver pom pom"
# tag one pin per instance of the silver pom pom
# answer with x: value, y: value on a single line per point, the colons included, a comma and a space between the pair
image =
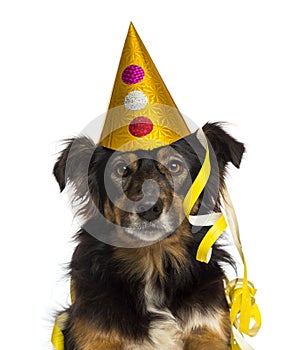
x: 135, y: 100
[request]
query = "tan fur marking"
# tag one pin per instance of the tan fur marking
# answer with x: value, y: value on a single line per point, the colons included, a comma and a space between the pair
x: 87, y: 337
x: 214, y: 335
x: 109, y: 213
x: 206, y: 339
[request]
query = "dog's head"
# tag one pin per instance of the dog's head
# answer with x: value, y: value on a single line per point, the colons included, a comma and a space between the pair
x: 142, y: 192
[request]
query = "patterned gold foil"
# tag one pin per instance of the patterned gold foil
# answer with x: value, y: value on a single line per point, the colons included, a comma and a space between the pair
x: 168, y: 123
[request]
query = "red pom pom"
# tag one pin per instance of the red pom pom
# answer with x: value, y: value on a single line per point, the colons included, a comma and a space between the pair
x: 140, y: 126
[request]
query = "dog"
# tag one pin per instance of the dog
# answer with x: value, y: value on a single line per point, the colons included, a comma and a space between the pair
x: 152, y: 294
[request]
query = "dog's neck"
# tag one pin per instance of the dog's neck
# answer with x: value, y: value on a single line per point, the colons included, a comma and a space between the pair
x: 149, y: 261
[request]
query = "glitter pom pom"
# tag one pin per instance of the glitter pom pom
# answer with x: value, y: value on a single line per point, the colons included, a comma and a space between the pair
x: 133, y: 74
x: 140, y: 126
x: 135, y: 100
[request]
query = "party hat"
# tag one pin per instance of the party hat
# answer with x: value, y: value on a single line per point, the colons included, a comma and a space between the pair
x: 141, y: 112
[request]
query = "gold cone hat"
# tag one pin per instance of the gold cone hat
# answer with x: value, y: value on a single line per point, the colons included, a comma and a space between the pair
x: 141, y: 112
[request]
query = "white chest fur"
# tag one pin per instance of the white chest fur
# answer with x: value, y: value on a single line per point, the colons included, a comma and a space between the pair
x: 169, y: 333
x: 164, y: 333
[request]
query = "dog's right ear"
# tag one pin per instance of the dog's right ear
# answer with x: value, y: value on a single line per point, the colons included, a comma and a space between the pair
x: 59, y: 167
x: 72, y: 164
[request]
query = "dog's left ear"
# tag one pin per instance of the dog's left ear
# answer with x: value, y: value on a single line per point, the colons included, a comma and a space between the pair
x: 226, y: 148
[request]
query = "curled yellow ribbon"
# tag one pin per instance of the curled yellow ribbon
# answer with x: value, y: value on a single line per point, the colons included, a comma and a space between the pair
x: 245, y: 315
x: 205, y: 247
x: 239, y: 292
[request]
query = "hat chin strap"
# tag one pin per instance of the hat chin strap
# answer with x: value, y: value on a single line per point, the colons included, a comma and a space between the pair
x: 245, y: 316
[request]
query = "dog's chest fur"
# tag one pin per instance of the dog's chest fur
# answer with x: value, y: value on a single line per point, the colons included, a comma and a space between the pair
x: 164, y: 333
x: 168, y: 332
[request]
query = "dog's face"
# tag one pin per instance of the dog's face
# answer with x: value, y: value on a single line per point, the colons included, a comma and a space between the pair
x: 146, y: 191
x: 142, y: 192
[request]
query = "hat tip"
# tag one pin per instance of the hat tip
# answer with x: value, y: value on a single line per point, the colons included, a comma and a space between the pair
x: 131, y: 26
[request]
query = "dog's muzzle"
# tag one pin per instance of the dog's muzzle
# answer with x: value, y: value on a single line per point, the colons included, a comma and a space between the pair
x: 152, y: 213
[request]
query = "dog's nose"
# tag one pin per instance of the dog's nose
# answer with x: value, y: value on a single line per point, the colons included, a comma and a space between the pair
x: 152, y: 213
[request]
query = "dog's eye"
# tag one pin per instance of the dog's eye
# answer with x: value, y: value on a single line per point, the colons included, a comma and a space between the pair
x: 175, y: 167
x: 122, y: 169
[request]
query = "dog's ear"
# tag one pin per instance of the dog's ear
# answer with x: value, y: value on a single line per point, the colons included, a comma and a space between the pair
x: 226, y: 148
x: 60, y: 165
x: 73, y: 162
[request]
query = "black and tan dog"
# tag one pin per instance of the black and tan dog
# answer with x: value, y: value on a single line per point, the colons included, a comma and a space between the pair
x: 156, y: 296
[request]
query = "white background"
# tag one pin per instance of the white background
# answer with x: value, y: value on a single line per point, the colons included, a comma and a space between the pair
x: 221, y: 60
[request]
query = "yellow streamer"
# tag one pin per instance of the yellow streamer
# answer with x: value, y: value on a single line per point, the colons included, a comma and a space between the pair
x: 245, y: 316
x: 244, y: 313
x: 240, y: 292
x: 210, y: 238
x: 201, y: 179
